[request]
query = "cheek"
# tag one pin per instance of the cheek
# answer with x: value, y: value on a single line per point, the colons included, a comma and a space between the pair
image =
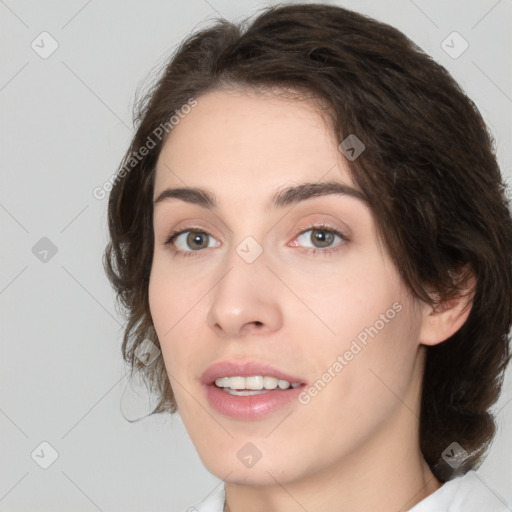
x: 354, y: 300
x: 371, y: 341
x: 178, y: 315
x: 379, y: 362
x: 168, y: 304
x: 171, y: 297
x: 357, y: 386
x: 165, y: 306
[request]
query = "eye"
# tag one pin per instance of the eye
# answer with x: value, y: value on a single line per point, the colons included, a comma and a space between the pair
x: 190, y: 238
x: 322, y: 238
x: 191, y: 242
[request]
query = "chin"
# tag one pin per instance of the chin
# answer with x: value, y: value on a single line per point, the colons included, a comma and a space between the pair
x: 258, y: 475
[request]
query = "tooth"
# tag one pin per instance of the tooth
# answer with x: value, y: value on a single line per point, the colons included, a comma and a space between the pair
x: 237, y: 382
x: 283, y: 384
x: 246, y: 392
x: 222, y: 382
x: 269, y: 382
x: 254, y: 382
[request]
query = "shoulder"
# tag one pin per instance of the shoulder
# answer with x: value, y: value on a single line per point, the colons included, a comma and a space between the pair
x: 466, y: 493
x: 212, y: 503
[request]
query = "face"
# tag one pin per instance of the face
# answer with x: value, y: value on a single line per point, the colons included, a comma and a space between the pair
x: 297, y: 290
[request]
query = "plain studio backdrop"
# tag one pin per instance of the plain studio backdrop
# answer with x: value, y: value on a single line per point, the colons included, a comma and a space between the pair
x: 68, y: 74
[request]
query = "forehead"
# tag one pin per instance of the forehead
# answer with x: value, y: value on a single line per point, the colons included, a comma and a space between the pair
x: 250, y: 140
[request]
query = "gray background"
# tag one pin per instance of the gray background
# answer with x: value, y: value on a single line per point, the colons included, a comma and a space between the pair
x: 66, y: 122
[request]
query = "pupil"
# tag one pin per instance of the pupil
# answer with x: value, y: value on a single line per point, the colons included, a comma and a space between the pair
x: 322, y: 237
x: 194, y: 238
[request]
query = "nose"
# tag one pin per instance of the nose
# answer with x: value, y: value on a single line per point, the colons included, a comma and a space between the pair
x: 246, y: 300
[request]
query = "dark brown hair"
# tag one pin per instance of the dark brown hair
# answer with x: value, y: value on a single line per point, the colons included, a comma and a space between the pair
x: 429, y: 171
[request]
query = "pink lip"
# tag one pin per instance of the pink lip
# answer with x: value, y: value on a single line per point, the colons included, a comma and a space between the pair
x: 248, y: 408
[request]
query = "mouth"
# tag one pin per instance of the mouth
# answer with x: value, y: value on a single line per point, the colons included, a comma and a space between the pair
x: 253, y: 385
x: 249, y: 391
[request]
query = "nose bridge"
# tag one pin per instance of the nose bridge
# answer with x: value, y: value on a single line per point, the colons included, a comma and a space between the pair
x: 246, y: 256
x: 241, y: 296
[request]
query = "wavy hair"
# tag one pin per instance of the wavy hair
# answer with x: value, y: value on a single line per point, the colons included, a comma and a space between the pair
x: 429, y: 171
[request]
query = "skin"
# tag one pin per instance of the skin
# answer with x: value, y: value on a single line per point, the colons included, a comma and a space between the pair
x: 355, y: 445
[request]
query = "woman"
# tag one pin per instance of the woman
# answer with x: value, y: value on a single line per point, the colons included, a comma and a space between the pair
x: 311, y: 226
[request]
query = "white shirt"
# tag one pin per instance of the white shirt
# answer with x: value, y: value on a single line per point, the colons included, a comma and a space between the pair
x: 467, y: 493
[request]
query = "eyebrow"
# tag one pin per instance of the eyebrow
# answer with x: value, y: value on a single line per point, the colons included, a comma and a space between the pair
x: 282, y: 198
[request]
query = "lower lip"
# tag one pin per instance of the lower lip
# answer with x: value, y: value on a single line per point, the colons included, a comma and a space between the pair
x: 252, y: 407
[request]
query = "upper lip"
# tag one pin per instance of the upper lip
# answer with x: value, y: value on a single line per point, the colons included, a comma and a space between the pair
x: 245, y: 369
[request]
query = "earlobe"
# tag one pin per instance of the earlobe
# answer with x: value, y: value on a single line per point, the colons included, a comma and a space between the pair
x: 441, y: 321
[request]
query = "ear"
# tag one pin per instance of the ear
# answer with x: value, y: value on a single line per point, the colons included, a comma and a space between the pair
x: 445, y: 318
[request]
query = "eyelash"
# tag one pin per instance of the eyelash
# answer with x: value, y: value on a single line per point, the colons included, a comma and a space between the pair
x: 308, y: 250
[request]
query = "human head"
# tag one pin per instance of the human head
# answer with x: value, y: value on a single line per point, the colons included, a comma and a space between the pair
x: 428, y: 171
